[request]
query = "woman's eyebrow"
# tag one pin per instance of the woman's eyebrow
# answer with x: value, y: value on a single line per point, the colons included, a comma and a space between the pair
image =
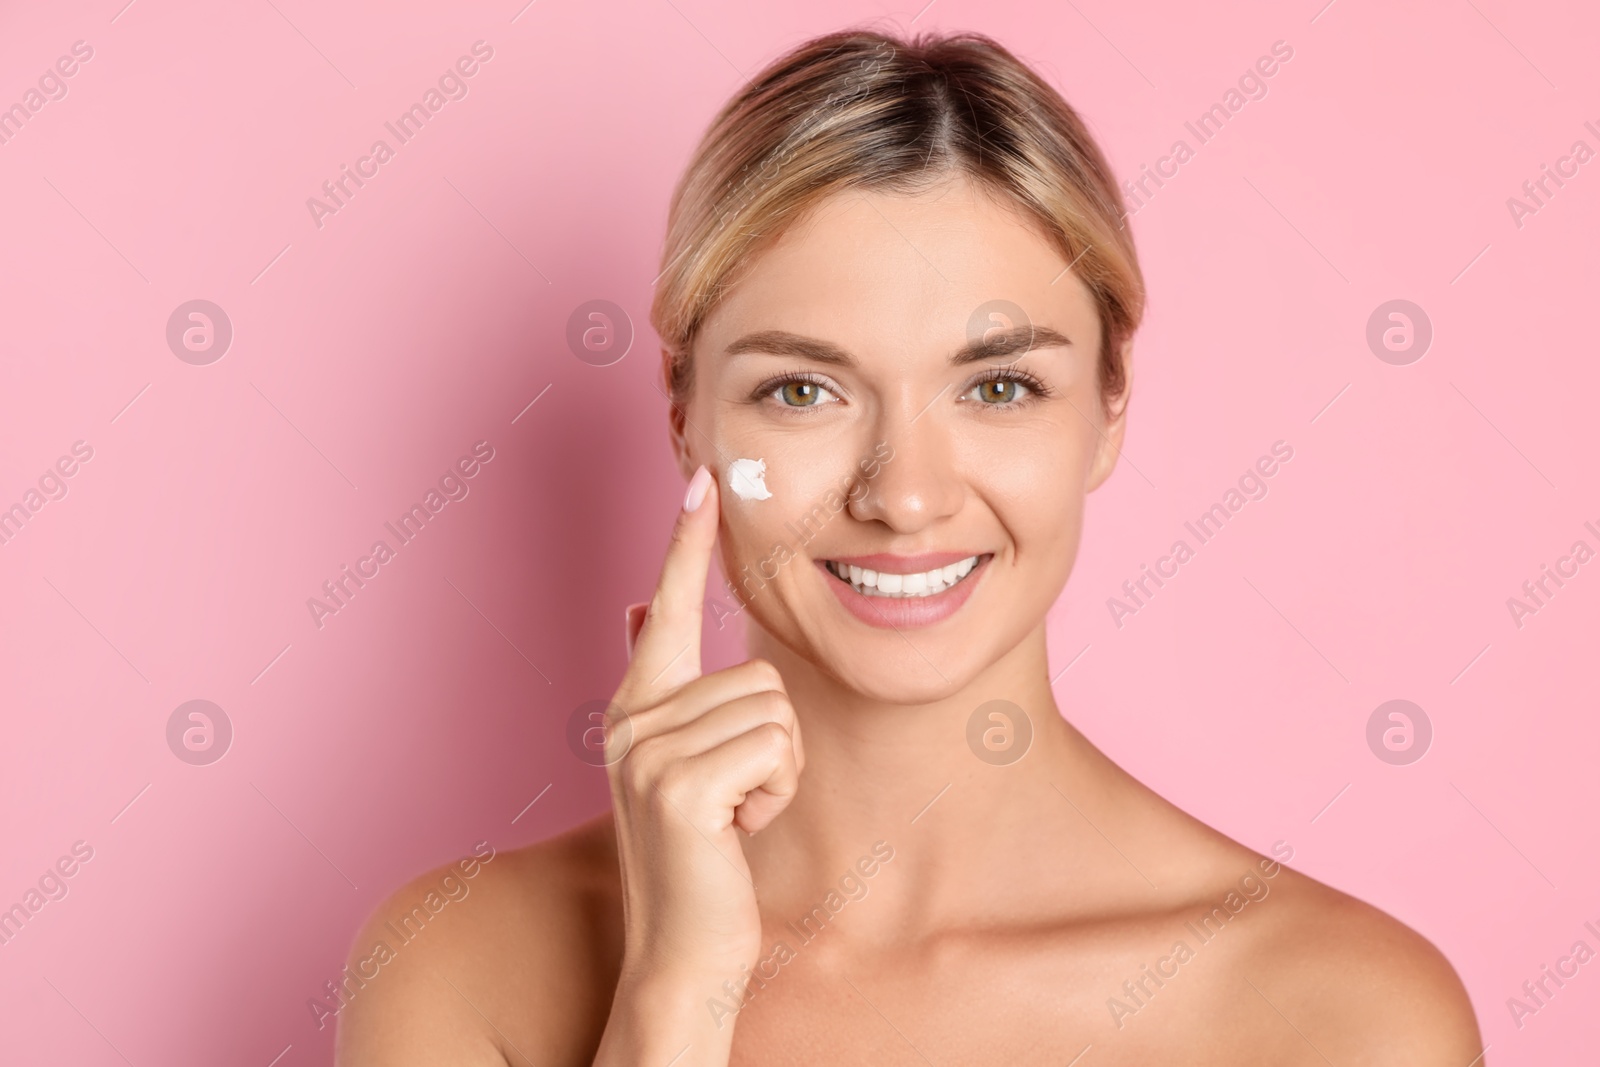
x: 784, y: 343
x: 1008, y: 344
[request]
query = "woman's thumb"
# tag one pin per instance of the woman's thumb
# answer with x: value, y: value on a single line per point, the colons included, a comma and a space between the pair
x: 633, y: 622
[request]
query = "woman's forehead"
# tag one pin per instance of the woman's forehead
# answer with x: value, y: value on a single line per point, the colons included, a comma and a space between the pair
x: 902, y: 271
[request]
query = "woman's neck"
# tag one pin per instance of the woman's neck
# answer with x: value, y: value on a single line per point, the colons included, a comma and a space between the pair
x: 915, y: 777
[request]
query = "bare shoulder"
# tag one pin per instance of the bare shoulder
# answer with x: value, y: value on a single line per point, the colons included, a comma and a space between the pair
x: 501, y: 957
x: 1360, y: 986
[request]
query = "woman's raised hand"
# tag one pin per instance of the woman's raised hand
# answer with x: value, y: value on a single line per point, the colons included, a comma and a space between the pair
x: 690, y: 757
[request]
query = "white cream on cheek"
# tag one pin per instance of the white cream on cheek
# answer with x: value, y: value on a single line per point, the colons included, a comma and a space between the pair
x: 747, y: 478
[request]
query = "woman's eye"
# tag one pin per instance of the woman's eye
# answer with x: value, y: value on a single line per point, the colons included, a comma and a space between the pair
x: 803, y: 394
x: 1000, y: 391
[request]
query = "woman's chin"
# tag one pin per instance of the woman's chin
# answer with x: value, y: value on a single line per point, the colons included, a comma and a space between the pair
x: 910, y: 687
x: 901, y: 668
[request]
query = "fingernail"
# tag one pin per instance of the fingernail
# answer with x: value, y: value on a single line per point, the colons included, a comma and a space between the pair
x: 629, y: 628
x: 698, y: 485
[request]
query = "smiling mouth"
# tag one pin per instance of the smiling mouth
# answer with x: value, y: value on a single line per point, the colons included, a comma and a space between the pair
x: 929, y: 583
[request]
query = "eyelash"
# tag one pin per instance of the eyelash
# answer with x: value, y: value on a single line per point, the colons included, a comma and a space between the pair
x: 1037, y: 390
x: 769, y: 387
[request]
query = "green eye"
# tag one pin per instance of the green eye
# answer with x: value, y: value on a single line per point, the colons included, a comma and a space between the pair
x: 801, y: 394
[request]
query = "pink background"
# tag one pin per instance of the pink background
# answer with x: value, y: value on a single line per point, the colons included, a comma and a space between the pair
x: 429, y: 312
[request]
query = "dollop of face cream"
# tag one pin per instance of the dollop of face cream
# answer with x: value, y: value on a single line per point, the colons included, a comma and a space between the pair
x: 747, y: 477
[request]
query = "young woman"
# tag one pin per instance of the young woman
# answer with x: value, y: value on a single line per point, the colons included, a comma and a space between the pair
x: 897, y: 311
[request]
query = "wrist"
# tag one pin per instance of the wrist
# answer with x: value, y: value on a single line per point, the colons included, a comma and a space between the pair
x: 664, y: 993
x: 668, y: 1017
x: 668, y: 975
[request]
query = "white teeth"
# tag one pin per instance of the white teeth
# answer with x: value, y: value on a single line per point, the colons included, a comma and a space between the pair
x: 926, y: 583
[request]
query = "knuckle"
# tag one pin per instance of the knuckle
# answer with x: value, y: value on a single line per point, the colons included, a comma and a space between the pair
x: 616, y: 750
x: 628, y: 776
x: 675, y: 784
x: 643, y: 725
x: 772, y: 705
x: 617, y: 733
x: 638, y: 766
x: 762, y: 671
x: 615, y: 715
x: 774, y: 736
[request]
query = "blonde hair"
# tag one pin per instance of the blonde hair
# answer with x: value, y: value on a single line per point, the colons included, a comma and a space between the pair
x: 861, y: 109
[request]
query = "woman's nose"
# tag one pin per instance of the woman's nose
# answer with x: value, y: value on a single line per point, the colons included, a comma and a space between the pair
x: 918, y: 484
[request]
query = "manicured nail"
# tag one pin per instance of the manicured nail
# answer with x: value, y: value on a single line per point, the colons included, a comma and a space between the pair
x: 698, y: 485
x: 630, y: 628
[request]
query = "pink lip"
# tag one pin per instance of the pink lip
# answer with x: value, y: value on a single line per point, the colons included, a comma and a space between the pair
x: 904, y: 613
x: 884, y: 561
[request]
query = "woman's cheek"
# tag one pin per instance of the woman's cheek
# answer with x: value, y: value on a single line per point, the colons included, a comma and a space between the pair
x: 1033, y: 479
x: 747, y: 527
x: 779, y: 496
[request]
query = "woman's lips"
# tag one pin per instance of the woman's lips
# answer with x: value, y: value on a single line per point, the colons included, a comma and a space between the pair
x: 923, y: 561
x: 906, y: 611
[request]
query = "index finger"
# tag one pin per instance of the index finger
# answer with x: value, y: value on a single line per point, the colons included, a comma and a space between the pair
x: 667, y: 652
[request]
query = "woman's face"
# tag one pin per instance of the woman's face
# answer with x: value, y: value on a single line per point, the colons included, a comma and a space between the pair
x: 850, y: 360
